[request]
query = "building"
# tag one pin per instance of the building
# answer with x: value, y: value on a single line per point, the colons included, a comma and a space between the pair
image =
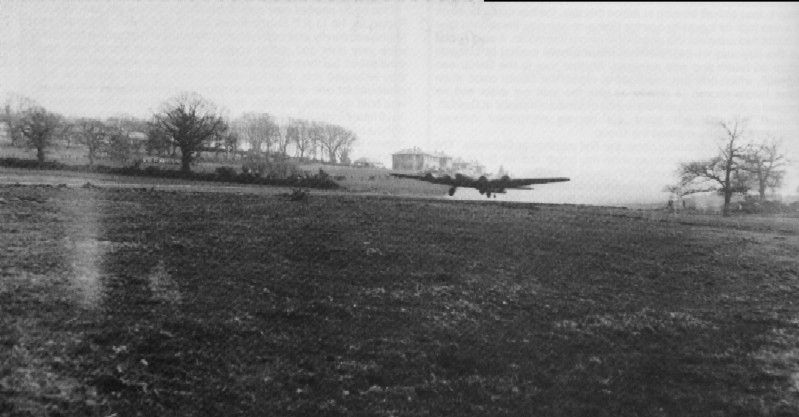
x: 416, y: 160
x: 444, y: 161
x: 471, y: 168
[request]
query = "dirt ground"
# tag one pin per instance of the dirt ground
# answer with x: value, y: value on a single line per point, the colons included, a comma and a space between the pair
x: 154, y: 301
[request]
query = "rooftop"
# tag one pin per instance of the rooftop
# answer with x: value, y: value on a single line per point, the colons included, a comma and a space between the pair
x: 419, y: 151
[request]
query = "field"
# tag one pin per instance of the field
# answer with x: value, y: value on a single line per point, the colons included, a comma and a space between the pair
x: 140, y: 301
x: 378, y: 181
x: 359, y: 180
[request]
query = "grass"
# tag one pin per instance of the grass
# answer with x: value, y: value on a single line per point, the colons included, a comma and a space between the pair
x: 378, y: 181
x: 160, y: 303
x: 359, y: 180
x: 229, y: 175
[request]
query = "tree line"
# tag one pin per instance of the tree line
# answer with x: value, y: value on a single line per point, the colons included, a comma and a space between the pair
x: 184, y: 125
x: 740, y: 165
x: 310, y: 139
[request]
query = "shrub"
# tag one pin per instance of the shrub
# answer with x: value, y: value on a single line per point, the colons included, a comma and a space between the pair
x: 294, y: 177
x: 30, y: 164
x: 225, y: 173
x: 152, y: 171
x: 298, y: 194
x: 752, y: 205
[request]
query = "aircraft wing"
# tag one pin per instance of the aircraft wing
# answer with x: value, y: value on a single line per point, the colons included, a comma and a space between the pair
x: 522, y: 182
x: 446, y: 180
x: 483, y: 185
x: 463, y: 181
x: 409, y: 176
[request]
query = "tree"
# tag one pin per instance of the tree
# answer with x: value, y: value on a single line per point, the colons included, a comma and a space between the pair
x: 120, y: 146
x: 257, y: 130
x: 158, y: 141
x: 316, y: 135
x: 300, y: 134
x: 764, y: 161
x: 229, y: 142
x: 677, y: 191
x: 126, y: 138
x: 39, y: 127
x: 335, y: 140
x: 723, y: 173
x: 93, y: 134
x: 344, y: 157
x: 282, y: 137
x: 191, y: 122
x: 13, y: 108
x: 10, y: 120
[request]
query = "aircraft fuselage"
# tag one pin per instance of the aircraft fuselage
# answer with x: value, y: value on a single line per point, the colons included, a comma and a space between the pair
x: 483, y: 185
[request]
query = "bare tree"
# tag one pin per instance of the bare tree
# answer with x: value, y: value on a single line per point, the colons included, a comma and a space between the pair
x: 68, y: 134
x: 257, y: 130
x: 158, y: 142
x: 299, y: 135
x: 316, y: 135
x: 13, y: 108
x: 344, y: 156
x: 281, y: 138
x: 121, y: 147
x: 229, y: 143
x: 335, y: 140
x: 39, y: 127
x: 764, y: 161
x: 191, y: 122
x: 127, y: 138
x: 723, y: 173
x: 9, y: 119
x: 93, y: 134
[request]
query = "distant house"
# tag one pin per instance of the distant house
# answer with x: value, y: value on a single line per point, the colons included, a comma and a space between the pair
x: 138, y: 136
x: 444, y: 161
x: 471, y: 168
x: 139, y: 141
x: 415, y: 160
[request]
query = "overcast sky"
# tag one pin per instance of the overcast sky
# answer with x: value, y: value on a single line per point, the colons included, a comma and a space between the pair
x: 612, y: 95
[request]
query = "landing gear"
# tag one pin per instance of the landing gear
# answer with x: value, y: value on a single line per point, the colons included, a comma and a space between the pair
x: 488, y: 194
x: 452, y: 191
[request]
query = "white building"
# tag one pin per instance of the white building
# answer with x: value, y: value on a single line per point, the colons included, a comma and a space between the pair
x: 416, y: 160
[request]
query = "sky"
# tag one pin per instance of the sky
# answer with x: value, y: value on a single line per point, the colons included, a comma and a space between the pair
x: 613, y: 96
